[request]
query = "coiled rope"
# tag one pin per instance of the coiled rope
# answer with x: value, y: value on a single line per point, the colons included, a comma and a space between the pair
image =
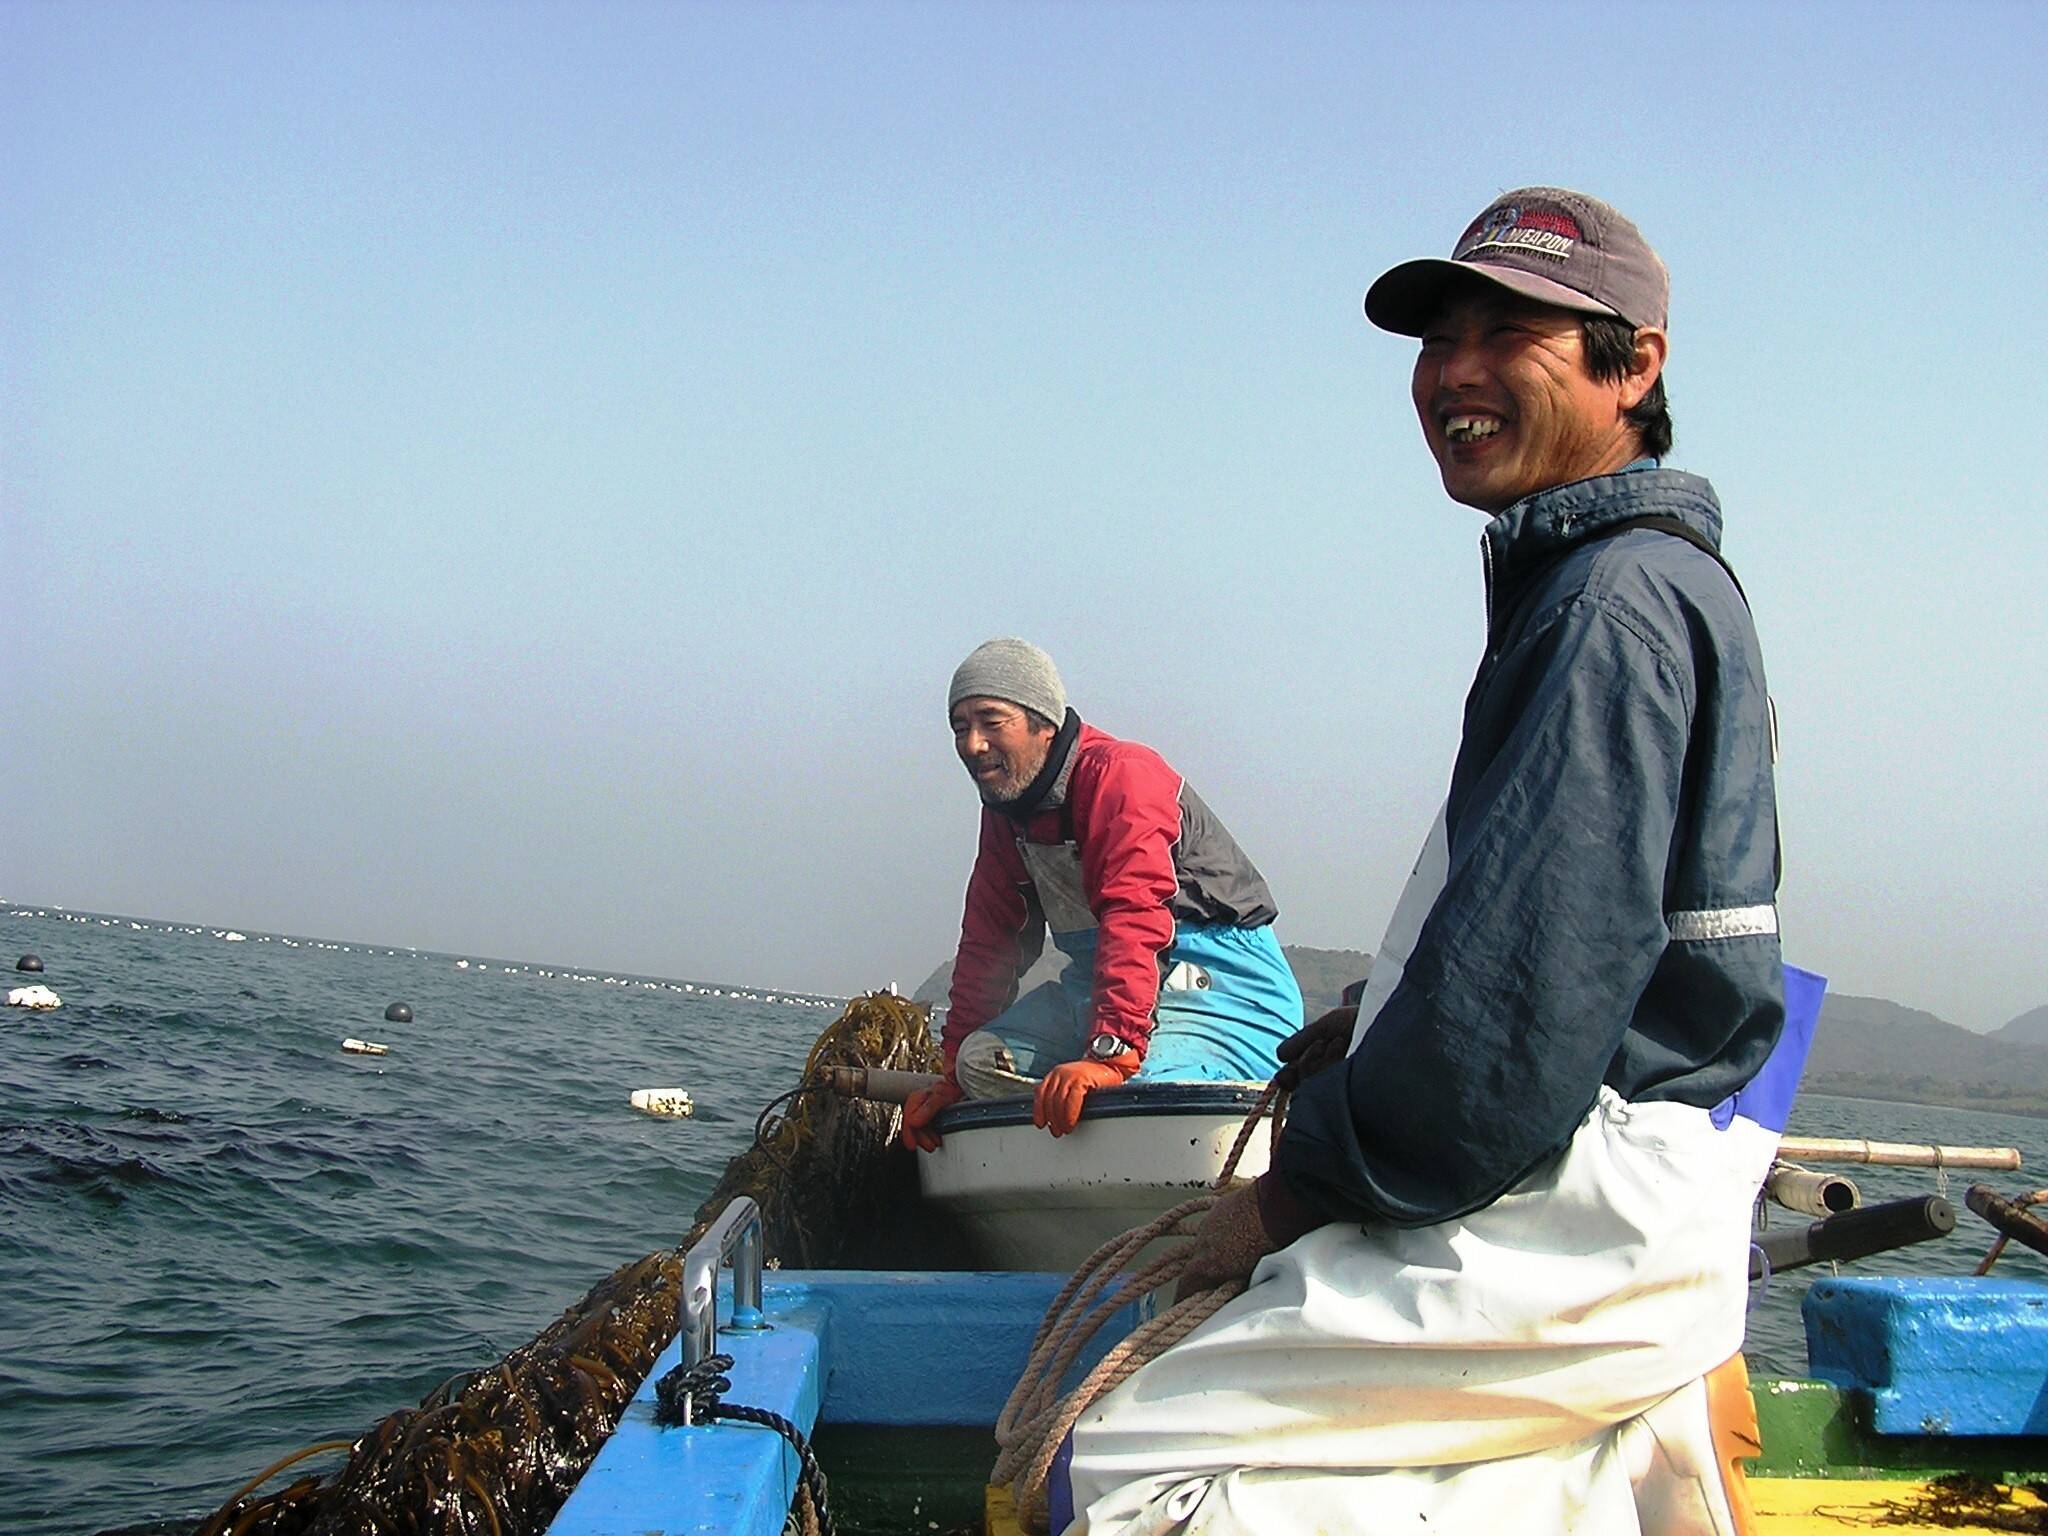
x: 1036, y: 1419
x: 695, y: 1394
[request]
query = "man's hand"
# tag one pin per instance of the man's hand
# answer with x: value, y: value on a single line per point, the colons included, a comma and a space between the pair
x: 1057, y: 1108
x: 1315, y: 1046
x: 922, y: 1108
x: 1228, y: 1245
x: 1249, y: 1222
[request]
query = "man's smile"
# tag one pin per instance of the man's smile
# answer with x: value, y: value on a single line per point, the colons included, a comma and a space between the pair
x: 1463, y: 427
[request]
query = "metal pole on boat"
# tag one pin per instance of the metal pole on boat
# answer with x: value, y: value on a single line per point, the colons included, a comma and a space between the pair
x: 736, y: 1234
x: 746, y: 1279
x: 1853, y: 1234
x: 877, y: 1083
x: 1810, y: 1193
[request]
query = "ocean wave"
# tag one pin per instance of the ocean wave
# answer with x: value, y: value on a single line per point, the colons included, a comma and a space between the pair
x: 77, y: 1158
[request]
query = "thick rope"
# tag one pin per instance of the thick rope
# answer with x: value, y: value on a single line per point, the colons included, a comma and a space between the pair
x: 695, y: 1393
x: 1036, y: 1419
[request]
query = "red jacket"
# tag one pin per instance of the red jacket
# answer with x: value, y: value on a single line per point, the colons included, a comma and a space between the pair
x: 1150, y: 855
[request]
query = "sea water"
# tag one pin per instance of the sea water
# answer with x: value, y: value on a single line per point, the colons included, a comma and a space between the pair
x: 223, y: 1238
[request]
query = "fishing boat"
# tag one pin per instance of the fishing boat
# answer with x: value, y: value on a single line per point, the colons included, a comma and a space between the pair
x: 1023, y: 1200
x: 1925, y: 1404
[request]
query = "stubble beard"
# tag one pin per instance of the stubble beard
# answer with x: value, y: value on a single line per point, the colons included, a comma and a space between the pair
x: 1006, y: 789
x: 1015, y: 779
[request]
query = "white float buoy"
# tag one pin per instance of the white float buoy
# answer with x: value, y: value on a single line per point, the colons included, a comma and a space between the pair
x: 364, y: 1047
x: 33, y: 997
x: 673, y: 1102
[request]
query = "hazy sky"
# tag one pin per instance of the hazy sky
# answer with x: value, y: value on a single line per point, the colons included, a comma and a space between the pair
x: 516, y: 479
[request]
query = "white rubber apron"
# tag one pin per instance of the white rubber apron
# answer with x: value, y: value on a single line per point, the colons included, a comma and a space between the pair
x: 1498, y: 1372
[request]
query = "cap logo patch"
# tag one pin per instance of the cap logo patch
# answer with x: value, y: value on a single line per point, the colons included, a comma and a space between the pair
x: 1526, y: 232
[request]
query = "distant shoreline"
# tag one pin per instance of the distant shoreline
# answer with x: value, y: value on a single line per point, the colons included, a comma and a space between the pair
x: 1931, y: 1062
x: 2031, y: 1104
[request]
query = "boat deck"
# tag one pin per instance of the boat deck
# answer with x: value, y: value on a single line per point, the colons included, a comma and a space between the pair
x: 1784, y: 1506
x: 1817, y: 1506
x: 898, y: 1376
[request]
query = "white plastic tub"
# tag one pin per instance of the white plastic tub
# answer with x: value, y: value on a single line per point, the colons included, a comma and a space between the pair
x: 1029, y: 1201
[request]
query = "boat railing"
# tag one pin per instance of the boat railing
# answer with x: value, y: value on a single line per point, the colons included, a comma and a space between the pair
x: 736, y: 1235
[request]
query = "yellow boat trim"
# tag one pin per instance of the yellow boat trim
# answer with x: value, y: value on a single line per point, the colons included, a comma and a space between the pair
x: 1785, y: 1506
x: 1000, y: 1515
x: 1818, y: 1506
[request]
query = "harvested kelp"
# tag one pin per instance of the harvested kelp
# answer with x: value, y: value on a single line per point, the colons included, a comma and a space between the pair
x: 494, y: 1452
x: 1969, y: 1503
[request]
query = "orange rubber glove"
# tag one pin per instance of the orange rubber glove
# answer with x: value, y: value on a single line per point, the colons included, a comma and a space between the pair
x: 922, y: 1108
x: 1058, y: 1105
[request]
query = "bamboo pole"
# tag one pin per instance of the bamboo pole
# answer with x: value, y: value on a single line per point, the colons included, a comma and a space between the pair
x: 1899, y: 1154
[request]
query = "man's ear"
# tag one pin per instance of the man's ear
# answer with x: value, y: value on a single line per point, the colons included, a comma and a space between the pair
x: 1645, y: 367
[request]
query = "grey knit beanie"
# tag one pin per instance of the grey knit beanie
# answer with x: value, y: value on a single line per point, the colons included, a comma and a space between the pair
x: 1013, y: 670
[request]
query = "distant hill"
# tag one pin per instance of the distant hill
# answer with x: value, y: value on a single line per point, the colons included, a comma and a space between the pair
x: 1322, y: 975
x: 2030, y: 1028
x: 1867, y: 1047
x: 935, y: 987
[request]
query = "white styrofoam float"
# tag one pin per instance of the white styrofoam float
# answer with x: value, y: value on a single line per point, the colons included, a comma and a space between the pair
x: 672, y: 1102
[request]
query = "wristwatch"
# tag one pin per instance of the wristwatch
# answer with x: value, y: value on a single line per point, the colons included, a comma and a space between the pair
x: 1107, y: 1047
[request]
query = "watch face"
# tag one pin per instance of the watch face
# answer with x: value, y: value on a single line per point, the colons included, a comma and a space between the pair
x: 1106, y: 1046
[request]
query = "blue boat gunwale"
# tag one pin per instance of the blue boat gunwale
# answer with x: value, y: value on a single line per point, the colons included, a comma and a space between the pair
x: 841, y: 1347
x: 1948, y: 1356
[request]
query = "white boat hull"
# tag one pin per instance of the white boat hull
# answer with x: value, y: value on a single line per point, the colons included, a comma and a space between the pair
x: 1025, y: 1200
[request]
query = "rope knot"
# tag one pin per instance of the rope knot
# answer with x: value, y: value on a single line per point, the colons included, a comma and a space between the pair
x: 695, y: 1395
x: 688, y: 1394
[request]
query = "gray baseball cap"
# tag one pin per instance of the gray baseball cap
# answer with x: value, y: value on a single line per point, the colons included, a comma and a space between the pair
x: 1545, y: 243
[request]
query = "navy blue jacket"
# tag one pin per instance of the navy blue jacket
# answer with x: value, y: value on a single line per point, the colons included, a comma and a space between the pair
x: 1608, y: 915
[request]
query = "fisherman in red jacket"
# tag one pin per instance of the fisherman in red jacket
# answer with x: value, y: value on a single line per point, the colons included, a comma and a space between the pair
x: 1173, y: 972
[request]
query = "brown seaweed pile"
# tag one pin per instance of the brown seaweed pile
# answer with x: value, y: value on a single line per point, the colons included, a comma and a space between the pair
x: 1969, y: 1503
x: 494, y: 1452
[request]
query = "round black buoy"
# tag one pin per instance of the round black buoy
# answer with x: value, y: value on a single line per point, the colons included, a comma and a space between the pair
x: 29, y: 963
x: 398, y: 1013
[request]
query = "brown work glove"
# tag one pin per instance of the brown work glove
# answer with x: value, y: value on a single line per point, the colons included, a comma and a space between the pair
x: 1315, y: 1046
x: 922, y: 1108
x: 1249, y: 1222
x: 1057, y: 1106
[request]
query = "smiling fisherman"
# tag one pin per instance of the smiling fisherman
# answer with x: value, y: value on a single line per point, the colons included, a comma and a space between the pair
x: 1504, y: 1245
x: 1173, y: 972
